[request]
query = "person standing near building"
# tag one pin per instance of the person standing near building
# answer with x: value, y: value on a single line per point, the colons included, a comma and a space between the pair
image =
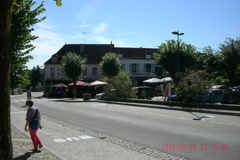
x: 166, y: 93
x: 33, y: 123
x: 29, y: 94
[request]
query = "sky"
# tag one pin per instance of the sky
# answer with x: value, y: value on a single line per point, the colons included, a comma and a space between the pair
x: 133, y: 23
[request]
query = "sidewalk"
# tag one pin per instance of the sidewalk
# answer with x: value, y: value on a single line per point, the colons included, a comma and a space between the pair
x: 64, y: 141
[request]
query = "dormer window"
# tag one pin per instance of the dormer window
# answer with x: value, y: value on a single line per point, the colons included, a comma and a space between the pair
x: 84, y: 59
x: 148, y: 56
x: 120, y: 56
x: 54, y: 58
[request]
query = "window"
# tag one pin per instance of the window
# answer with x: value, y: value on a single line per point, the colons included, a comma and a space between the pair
x: 60, y: 71
x: 134, y: 67
x: 123, y: 67
x: 85, y: 60
x: 94, y: 71
x: 148, y: 67
x: 120, y: 56
x: 52, y: 71
x: 148, y: 56
x: 54, y: 59
x: 85, y: 72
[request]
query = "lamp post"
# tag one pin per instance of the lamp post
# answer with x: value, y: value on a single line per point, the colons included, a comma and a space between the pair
x: 178, y: 34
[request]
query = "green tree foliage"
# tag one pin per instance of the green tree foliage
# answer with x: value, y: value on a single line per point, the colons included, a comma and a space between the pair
x: 73, y: 66
x: 110, y: 65
x: 120, y: 86
x: 209, y: 60
x: 230, y: 52
x: 167, y: 56
x: 58, y: 2
x: 194, y: 83
x: 35, y: 76
x: 23, y: 18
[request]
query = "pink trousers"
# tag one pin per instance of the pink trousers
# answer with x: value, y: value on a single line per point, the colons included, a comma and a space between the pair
x: 35, y: 139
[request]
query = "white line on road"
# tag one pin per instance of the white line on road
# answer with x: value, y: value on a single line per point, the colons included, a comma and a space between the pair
x: 72, y: 139
x: 99, y: 105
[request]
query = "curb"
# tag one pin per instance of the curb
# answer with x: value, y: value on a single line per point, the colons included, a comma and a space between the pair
x: 173, y: 106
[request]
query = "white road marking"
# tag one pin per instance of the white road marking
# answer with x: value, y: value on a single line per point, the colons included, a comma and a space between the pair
x: 72, y: 139
x: 19, y: 112
x: 99, y: 105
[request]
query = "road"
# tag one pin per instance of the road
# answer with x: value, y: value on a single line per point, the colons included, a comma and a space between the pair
x: 175, y: 132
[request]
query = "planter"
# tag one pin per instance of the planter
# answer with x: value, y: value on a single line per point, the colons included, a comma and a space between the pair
x: 86, y: 97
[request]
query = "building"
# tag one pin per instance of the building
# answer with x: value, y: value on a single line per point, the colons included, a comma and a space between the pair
x: 137, y: 61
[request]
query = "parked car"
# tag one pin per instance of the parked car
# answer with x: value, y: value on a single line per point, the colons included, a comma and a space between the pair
x: 222, y: 87
x: 99, y: 96
x: 231, y: 96
x: 149, y: 91
x: 210, y: 96
x: 176, y: 98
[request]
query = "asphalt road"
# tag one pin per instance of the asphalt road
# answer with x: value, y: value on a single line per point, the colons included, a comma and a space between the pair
x: 176, y: 132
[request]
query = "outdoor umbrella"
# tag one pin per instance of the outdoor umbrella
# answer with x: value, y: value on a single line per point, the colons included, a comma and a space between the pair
x: 152, y: 80
x: 79, y: 83
x: 59, y: 85
x: 98, y: 83
x: 166, y: 79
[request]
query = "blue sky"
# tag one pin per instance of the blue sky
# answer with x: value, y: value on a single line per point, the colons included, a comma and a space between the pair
x: 134, y: 23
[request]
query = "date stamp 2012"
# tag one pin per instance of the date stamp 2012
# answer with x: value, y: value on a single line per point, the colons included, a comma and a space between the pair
x: 195, y: 147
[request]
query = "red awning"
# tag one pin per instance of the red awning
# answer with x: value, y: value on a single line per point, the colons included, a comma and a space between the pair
x: 79, y: 83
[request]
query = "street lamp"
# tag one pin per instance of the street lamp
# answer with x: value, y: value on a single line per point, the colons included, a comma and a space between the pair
x: 178, y: 34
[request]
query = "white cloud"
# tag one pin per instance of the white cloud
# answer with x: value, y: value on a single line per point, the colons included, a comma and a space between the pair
x: 48, y: 43
x: 101, y: 28
x: 80, y: 26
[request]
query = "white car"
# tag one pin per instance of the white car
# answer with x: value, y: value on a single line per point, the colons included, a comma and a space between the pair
x: 99, y: 95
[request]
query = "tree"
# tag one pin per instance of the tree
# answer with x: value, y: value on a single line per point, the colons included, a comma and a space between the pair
x: 110, y: 65
x: 120, y: 86
x: 194, y: 83
x: 35, y: 76
x: 230, y: 51
x: 168, y: 54
x: 23, y: 18
x: 73, y: 67
x: 5, y: 61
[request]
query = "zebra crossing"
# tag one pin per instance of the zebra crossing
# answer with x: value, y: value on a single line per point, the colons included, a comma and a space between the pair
x: 24, y: 100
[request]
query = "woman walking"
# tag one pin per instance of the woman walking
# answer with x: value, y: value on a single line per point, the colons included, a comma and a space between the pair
x: 33, y: 122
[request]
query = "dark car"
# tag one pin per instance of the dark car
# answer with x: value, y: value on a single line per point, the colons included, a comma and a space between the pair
x: 210, y: 96
x: 140, y: 89
x: 231, y: 96
x: 176, y: 98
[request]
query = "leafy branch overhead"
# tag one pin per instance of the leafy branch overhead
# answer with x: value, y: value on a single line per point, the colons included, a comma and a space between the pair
x: 58, y: 2
x: 24, y: 16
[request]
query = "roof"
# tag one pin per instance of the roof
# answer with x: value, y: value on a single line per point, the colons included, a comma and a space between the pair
x: 95, y: 52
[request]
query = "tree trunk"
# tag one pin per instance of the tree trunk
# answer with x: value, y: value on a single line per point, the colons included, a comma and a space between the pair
x: 5, y: 61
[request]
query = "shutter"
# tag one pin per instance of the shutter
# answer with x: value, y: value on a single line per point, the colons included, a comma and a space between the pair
x: 144, y: 67
x: 153, y: 68
x: 137, y: 67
